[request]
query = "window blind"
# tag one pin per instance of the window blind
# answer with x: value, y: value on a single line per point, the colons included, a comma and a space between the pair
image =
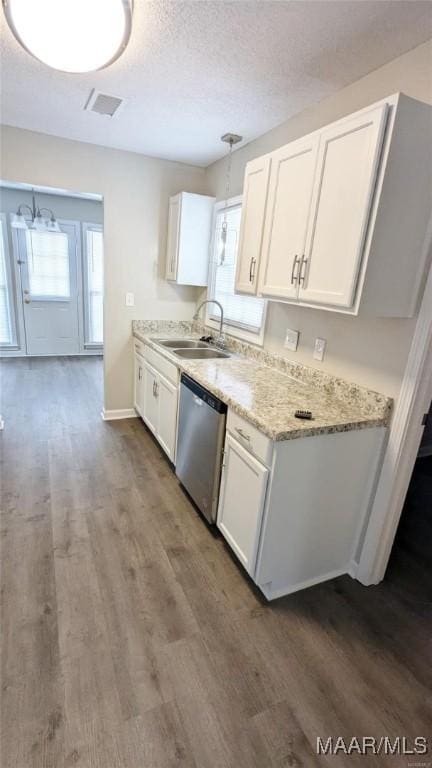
x: 242, y: 311
x: 48, y: 264
x: 95, y: 285
x: 5, y: 298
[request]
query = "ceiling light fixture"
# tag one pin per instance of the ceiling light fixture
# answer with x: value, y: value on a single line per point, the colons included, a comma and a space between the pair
x: 231, y: 139
x: 38, y: 221
x: 71, y: 35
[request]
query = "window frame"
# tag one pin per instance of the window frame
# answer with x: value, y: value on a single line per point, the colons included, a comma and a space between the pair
x: 230, y: 328
x: 10, y: 286
x: 88, y: 226
x: 48, y: 297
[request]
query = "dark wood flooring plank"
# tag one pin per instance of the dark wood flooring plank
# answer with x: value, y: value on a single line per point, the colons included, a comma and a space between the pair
x: 133, y: 639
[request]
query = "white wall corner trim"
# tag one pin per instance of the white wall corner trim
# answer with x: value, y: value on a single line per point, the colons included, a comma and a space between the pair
x: 119, y: 413
x: 403, y: 445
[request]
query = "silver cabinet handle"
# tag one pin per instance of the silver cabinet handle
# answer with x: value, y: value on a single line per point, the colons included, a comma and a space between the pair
x: 157, y: 389
x: 154, y: 387
x: 139, y: 373
x: 302, y: 273
x: 243, y: 434
x: 294, y: 274
x: 252, y: 269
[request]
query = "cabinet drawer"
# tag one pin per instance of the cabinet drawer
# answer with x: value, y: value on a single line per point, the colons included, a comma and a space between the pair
x: 139, y: 347
x: 164, y: 366
x: 250, y: 437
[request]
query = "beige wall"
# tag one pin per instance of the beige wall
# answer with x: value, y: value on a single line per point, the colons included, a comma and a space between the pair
x: 372, y: 352
x: 135, y: 190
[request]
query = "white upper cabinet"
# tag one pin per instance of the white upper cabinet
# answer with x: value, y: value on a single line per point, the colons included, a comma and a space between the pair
x: 288, y: 207
x: 252, y: 224
x: 189, y: 227
x: 173, y: 236
x: 346, y: 215
x: 344, y: 183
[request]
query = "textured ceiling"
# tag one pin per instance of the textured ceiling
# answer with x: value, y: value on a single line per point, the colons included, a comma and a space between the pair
x: 195, y: 70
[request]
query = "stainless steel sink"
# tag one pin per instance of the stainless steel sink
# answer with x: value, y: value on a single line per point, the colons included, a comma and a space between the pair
x: 184, y: 344
x: 200, y: 354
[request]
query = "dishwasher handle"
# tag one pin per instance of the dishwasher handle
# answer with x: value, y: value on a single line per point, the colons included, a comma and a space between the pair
x: 197, y: 400
x: 200, y: 393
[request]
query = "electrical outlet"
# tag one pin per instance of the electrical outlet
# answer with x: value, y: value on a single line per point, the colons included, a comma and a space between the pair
x: 291, y: 339
x: 130, y: 300
x: 320, y: 345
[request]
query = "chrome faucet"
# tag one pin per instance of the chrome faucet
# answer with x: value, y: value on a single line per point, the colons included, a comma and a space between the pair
x: 220, y: 341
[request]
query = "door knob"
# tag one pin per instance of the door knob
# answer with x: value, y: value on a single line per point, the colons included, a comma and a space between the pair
x: 27, y: 300
x: 26, y: 292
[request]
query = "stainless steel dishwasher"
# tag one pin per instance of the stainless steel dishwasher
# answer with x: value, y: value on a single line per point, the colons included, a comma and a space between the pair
x: 201, y: 433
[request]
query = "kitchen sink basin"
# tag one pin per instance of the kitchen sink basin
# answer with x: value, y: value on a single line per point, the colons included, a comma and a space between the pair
x: 184, y: 344
x: 200, y: 354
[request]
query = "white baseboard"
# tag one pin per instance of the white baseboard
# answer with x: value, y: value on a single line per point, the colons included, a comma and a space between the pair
x: 121, y: 413
x: 271, y: 593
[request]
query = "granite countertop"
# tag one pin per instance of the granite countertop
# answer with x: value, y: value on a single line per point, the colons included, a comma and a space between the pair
x: 268, y: 395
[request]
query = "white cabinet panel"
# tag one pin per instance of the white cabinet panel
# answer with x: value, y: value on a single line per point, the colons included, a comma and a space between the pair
x: 139, y: 384
x: 288, y: 209
x: 252, y: 224
x: 151, y: 408
x: 189, y: 228
x: 156, y: 400
x: 167, y: 422
x: 241, y: 503
x: 173, y: 236
x: 347, y: 164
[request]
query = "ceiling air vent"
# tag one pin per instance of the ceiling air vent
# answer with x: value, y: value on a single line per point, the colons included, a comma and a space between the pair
x: 103, y: 104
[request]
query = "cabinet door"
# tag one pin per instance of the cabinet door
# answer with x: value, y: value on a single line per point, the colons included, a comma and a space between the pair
x: 241, y: 502
x: 167, y: 395
x: 252, y: 224
x: 174, y: 214
x: 347, y: 163
x: 288, y: 209
x: 151, y: 409
x: 139, y: 384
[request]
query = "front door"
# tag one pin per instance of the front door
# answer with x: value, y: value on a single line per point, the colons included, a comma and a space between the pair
x: 49, y: 285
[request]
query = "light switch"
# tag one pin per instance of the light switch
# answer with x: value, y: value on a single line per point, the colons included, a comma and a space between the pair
x: 320, y: 345
x: 130, y: 300
x: 291, y: 339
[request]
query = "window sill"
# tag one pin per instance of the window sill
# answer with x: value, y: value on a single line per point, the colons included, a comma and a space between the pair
x: 239, y: 333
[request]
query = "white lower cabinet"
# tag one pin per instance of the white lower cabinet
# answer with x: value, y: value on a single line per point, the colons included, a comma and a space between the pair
x: 241, y: 501
x: 150, y: 412
x: 156, y: 395
x: 160, y: 409
x: 139, y: 384
x: 167, y: 395
x: 300, y: 520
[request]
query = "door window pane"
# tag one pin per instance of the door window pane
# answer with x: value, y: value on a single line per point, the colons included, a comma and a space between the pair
x: 48, y: 264
x: 5, y: 298
x: 95, y: 285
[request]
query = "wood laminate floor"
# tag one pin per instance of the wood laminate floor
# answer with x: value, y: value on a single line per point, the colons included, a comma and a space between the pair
x: 131, y: 637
